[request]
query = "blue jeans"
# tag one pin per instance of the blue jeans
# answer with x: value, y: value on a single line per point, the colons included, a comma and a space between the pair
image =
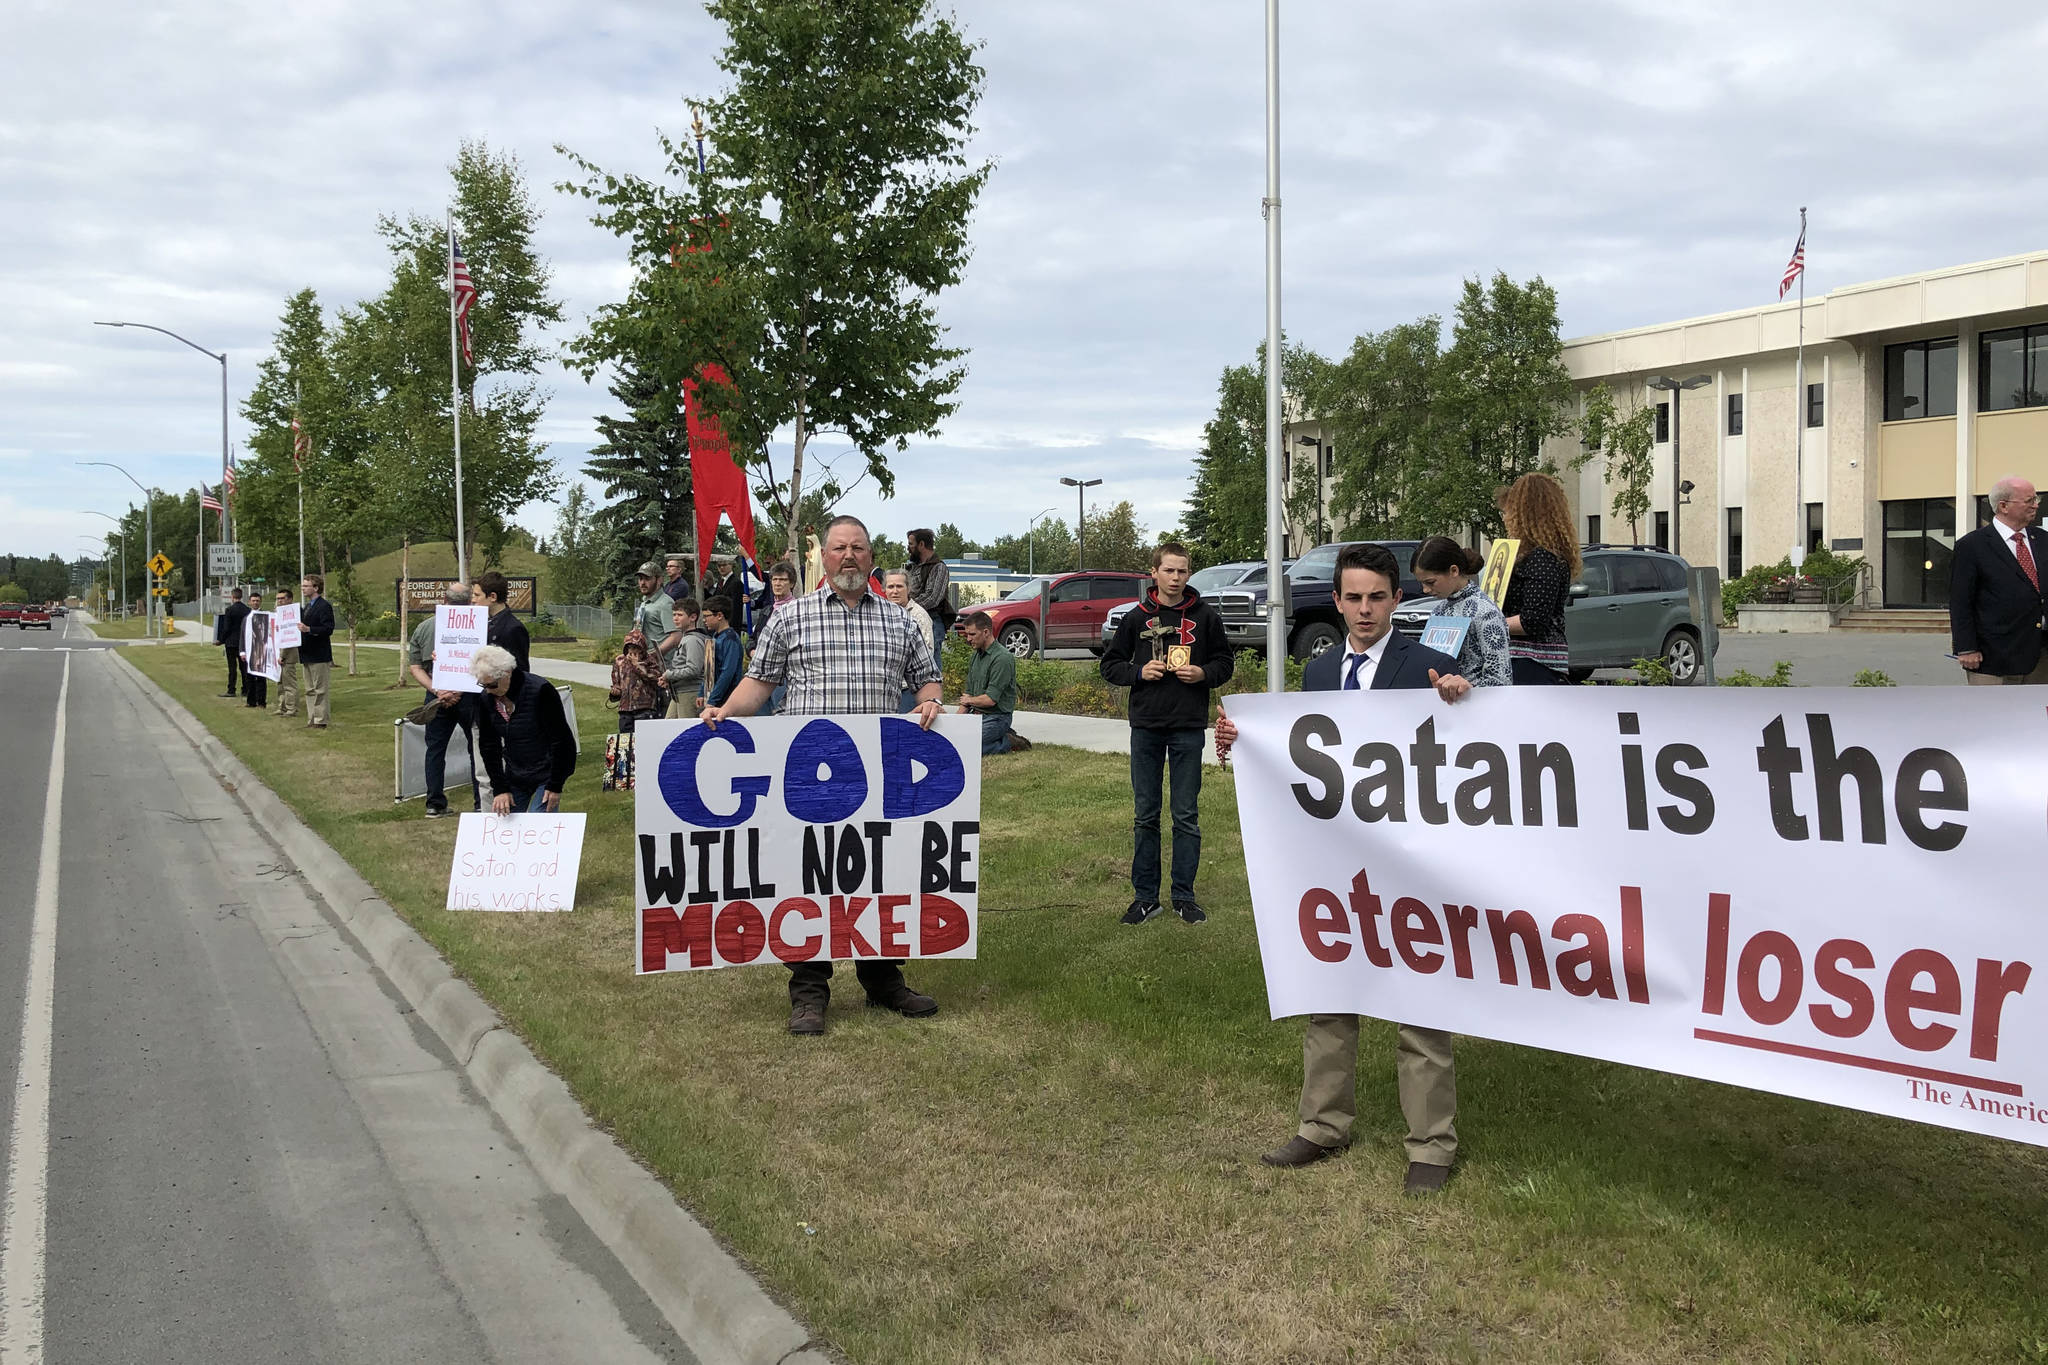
x: 1152, y: 751
x: 995, y: 738
x: 532, y: 802
x: 441, y: 729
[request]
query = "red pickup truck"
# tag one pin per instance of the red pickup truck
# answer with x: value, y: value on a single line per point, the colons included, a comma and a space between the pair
x: 34, y: 614
x: 10, y: 613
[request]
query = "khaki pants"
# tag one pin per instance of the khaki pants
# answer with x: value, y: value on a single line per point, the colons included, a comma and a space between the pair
x: 288, y: 682
x: 1425, y: 1078
x: 1982, y: 679
x: 316, y: 692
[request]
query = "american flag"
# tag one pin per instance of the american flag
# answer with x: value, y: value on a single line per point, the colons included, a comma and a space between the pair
x: 302, y: 446
x: 465, y: 293
x: 1796, y: 265
x: 227, y: 482
x: 207, y: 501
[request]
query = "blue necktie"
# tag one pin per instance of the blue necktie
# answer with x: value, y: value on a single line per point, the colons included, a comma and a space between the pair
x: 1351, y: 678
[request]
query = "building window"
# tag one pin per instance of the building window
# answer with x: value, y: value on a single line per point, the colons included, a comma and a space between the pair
x: 1814, y: 539
x: 1329, y: 454
x: 1286, y: 464
x: 1663, y: 423
x: 2012, y: 369
x: 1735, y: 542
x: 1920, y: 380
x: 1816, y: 404
x: 1592, y: 528
x: 1663, y: 530
x: 1734, y: 414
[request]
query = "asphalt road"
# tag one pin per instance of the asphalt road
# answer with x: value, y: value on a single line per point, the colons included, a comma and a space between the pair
x: 252, y: 1151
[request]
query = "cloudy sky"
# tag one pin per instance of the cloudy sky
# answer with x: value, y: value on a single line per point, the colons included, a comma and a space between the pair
x: 191, y: 165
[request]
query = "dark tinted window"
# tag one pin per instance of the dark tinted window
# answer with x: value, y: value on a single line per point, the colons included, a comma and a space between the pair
x: 1636, y: 573
x: 1598, y: 578
x: 1070, y: 590
x: 1670, y: 575
x: 1113, y: 589
x: 1920, y: 380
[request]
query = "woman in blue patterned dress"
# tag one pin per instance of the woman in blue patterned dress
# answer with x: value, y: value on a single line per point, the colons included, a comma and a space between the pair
x: 1445, y: 569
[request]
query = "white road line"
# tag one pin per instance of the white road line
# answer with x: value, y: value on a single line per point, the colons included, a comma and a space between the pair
x: 22, y: 1221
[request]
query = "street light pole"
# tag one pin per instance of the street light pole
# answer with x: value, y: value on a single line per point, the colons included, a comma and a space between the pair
x: 222, y: 357
x: 1676, y: 388
x: 1031, y: 567
x: 148, y: 534
x: 1080, y: 487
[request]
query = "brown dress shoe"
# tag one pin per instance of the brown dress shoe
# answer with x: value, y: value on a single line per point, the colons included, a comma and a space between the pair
x: 807, y: 1020
x: 905, y: 1002
x: 1424, y: 1178
x: 1299, y: 1151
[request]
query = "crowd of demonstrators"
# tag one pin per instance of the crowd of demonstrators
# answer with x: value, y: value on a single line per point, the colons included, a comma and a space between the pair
x: 637, y: 685
x: 287, y: 667
x: 684, y: 666
x: 991, y: 689
x: 1445, y: 569
x: 1535, y: 512
x: 316, y: 648
x: 931, y: 584
x: 528, y: 749
x: 1997, y: 609
x: 453, y: 710
x: 841, y: 651
x: 1170, y: 651
x: 1374, y: 657
x: 227, y: 633
x: 505, y: 629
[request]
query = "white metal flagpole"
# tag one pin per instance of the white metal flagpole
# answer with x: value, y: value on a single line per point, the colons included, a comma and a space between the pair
x: 455, y: 388
x: 1277, y: 601
x: 299, y: 466
x: 1799, y: 414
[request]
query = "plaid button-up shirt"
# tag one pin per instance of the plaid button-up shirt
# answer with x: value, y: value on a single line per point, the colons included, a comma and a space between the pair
x: 837, y: 660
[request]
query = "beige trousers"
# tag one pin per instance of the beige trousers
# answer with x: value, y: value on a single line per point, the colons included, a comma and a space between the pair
x: 1982, y: 679
x: 1424, y: 1076
x: 316, y: 692
x: 287, y: 682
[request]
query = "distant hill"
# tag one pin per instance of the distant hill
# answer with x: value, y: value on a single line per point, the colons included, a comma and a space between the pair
x: 436, y: 559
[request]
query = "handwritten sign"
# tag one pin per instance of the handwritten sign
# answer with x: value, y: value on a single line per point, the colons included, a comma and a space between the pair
x: 288, y: 626
x: 516, y: 862
x: 458, y: 635
x: 805, y: 839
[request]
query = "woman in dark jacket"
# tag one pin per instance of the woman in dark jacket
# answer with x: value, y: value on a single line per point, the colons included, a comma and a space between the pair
x: 527, y: 745
x: 1536, y: 513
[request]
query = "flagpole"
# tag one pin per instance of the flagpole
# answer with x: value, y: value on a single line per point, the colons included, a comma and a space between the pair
x: 1276, y: 604
x: 1799, y: 414
x: 455, y: 406
x: 299, y: 465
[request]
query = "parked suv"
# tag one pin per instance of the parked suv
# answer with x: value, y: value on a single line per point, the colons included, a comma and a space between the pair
x: 10, y: 613
x: 1313, y: 624
x: 1073, y: 605
x: 1635, y: 606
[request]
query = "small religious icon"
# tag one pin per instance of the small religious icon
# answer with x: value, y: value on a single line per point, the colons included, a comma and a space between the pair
x: 1178, y: 656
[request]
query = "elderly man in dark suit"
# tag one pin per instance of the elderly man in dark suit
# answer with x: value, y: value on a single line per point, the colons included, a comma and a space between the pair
x: 1996, y: 607
x: 1373, y: 656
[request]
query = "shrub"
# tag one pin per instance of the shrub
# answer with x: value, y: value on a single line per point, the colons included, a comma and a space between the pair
x: 1822, y: 566
x: 1780, y: 676
x: 1873, y: 677
x: 1250, y: 674
x: 384, y: 627
x: 607, y: 649
x: 1648, y: 673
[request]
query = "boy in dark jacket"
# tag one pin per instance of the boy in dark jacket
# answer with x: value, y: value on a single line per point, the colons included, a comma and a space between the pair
x: 1169, y: 650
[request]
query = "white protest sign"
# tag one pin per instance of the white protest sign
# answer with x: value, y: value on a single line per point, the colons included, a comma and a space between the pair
x: 259, y: 646
x: 288, y: 626
x: 516, y: 862
x: 1827, y: 893
x: 792, y: 839
x: 459, y: 633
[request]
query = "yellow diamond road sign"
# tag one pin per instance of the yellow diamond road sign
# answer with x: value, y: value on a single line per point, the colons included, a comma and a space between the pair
x: 161, y: 565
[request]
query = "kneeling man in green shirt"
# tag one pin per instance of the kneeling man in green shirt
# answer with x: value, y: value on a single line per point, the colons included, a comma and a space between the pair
x: 991, y: 686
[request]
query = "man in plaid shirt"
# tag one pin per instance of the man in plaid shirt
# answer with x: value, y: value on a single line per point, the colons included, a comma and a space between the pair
x: 841, y: 651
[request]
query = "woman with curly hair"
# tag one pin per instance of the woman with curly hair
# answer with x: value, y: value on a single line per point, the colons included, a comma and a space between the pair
x: 1536, y: 513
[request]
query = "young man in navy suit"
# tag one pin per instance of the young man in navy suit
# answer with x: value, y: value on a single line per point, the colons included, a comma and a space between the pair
x: 1996, y: 607
x: 1373, y: 656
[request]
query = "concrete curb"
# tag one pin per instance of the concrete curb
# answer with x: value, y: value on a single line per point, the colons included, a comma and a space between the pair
x: 718, y: 1309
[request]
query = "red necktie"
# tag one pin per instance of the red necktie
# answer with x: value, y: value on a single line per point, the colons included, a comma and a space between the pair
x: 2019, y: 543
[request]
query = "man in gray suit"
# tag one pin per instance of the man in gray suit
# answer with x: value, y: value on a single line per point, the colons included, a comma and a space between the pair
x: 1373, y: 656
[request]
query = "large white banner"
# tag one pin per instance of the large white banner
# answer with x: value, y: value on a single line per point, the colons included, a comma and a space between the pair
x: 458, y: 634
x: 805, y: 839
x: 1827, y: 893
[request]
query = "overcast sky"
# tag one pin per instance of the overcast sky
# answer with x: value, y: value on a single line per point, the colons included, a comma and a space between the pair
x: 191, y: 165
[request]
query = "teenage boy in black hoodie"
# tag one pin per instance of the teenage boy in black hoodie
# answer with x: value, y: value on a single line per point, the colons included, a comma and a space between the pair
x: 1169, y: 650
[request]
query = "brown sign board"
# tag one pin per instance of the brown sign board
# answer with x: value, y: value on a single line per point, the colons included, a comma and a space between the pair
x: 422, y: 595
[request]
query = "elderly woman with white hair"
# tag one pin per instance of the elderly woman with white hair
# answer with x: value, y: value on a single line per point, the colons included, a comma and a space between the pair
x: 528, y: 748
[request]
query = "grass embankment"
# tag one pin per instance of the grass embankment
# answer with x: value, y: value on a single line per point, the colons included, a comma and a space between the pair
x: 134, y: 628
x: 1062, y: 1165
x: 436, y: 559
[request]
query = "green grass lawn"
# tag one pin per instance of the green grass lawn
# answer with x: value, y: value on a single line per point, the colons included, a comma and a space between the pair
x: 134, y: 628
x: 1062, y: 1166
x: 436, y: 559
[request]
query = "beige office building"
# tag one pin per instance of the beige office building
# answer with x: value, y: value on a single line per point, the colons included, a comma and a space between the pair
x: 1920, y: 393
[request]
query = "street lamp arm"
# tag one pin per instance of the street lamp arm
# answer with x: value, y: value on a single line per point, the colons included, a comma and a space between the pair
x: 221, y: 356
x: 105, y: 464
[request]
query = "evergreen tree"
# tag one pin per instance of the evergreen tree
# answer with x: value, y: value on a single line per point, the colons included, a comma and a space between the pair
x: 643, y: 467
